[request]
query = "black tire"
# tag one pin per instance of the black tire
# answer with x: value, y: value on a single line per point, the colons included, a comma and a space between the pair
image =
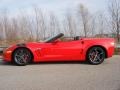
x: 22, y: 56
x: 96, y: 55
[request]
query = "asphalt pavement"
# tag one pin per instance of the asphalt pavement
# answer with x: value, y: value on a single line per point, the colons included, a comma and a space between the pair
x: 61, y: 76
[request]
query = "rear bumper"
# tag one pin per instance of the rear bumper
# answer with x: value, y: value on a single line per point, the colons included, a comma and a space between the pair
x: 110, y: 52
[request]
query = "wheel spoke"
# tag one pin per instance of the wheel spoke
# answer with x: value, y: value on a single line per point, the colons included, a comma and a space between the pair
x: 98, y: 58
x: 96, y: 55
x: 95, y: 58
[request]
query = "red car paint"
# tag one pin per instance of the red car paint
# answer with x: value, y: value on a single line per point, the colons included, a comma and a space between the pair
x: 63, y: 51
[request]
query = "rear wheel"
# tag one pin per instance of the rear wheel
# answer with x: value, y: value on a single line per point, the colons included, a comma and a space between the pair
x: 22, y: 56
x: 96, y: 55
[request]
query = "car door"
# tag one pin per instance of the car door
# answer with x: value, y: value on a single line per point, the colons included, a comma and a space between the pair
x: 64, y: 51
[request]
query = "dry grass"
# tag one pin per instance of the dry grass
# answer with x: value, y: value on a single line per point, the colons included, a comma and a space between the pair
x: 117, y: 51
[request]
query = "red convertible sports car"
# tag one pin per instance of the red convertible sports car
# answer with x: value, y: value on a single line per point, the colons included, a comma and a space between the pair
x: 93, y: 50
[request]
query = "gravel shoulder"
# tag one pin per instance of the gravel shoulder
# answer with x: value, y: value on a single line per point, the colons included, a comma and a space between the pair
x: 61, y: 76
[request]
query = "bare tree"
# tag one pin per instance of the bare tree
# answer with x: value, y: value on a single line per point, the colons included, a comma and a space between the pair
x: 85, y: 17
x: 93, y: 26
x: 11, y: 33
x: 22, y: 28
x: 101, y: 24
x: 25, y: 27
x: 31, y: 30
x: 70, y: 24
x: 114, y: 10
x: 1, y: 30
x: 4, y: 21
x: 53, y: 24
x: 40, y: 24
x: 8, y: 28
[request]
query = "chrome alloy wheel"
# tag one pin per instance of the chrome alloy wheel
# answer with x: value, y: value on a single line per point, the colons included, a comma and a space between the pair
x: 22, y: 56
x: 96, y: 55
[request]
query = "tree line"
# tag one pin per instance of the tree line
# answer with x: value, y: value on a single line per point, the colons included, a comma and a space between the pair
x: 42, y: 25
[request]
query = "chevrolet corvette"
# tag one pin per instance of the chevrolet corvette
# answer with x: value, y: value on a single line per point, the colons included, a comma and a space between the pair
x: 92, y: 50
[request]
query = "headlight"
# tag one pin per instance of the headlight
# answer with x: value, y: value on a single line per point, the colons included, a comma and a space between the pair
x: 8, y: 51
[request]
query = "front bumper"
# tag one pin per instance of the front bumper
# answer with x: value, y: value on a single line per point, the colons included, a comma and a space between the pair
x: 7, y: 55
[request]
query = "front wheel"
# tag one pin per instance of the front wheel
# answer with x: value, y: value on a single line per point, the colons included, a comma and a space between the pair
x: 22, y: 56
x: 96, y: 55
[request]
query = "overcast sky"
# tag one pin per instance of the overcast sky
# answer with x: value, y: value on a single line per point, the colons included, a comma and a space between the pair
x: 57, y: 6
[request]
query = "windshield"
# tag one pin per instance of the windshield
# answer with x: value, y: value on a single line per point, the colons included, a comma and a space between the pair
x: 54, y: 38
